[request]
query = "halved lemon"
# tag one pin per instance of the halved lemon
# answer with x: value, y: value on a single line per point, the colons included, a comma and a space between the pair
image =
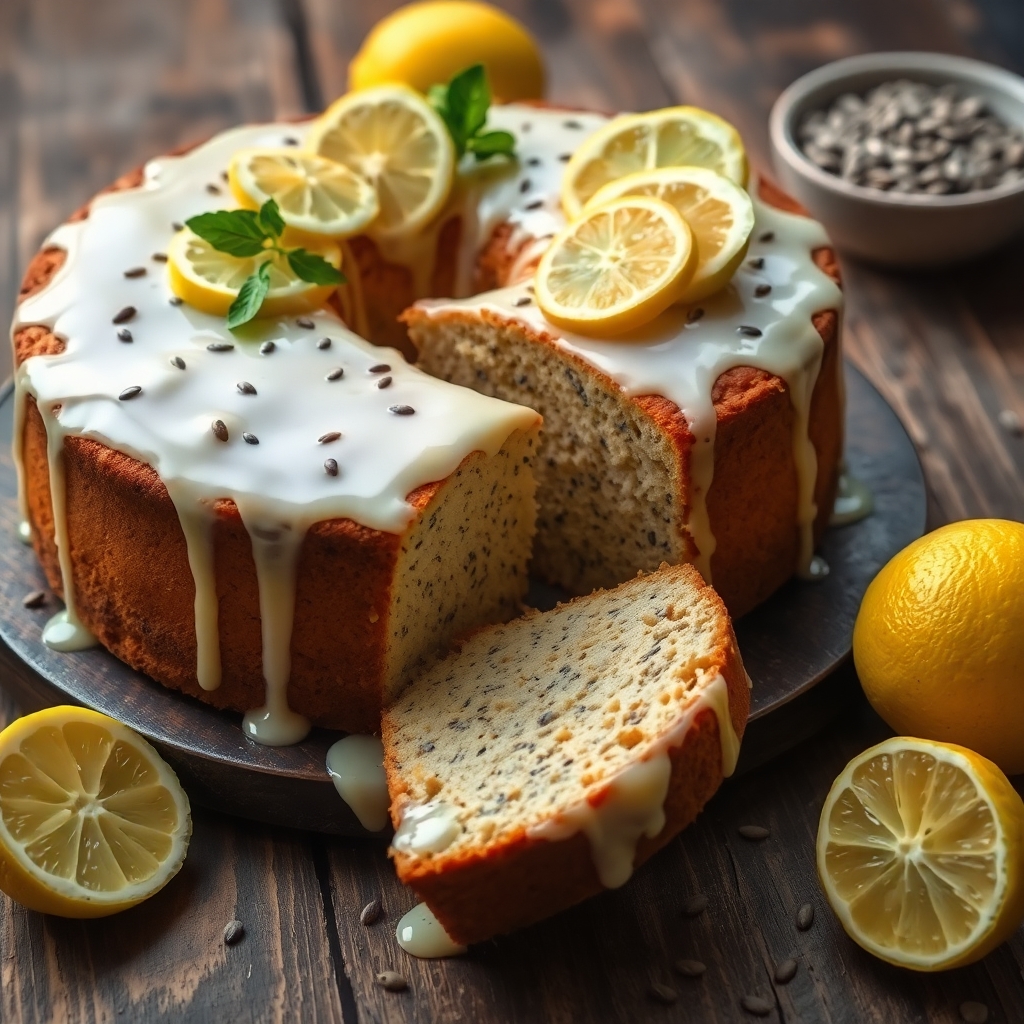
x: 210, y: 280
x: 617, y: 267
x: 315, y: 195
x: 921, y: 853
x: 673, y: 137
x: 720, y: 214
x: 391, y: 137
x: 92, y: 820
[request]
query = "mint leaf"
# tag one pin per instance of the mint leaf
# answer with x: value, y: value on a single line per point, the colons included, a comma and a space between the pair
x: 314, y: 269
x: 250, y: 297
x: 237, y: 232
x: 270, y: 218
x: 437, y: 97
x: 492, y: 144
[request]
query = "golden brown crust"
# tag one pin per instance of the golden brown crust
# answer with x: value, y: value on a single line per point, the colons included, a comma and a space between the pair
x: 497, y: 889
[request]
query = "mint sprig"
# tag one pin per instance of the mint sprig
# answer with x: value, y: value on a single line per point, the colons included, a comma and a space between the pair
x: 463, y: 105
x: 247, y: 233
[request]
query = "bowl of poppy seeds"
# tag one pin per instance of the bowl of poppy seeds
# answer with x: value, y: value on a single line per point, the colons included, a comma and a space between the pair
x: 908, y: 159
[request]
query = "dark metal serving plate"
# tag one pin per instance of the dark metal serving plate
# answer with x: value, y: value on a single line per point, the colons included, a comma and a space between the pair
x: 792, y: 646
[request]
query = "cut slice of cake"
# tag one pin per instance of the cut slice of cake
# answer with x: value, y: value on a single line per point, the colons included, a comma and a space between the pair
x: 546, y: 758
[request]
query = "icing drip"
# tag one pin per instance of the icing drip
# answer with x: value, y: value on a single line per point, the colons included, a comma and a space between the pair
x: 421, y: 935
x: 634, y: 804
x: 356, y: 765
x: 427, y: 828
x: 277, y: 480
x: 853, y: 500
x: 680, y: 356
x: 24, y: 532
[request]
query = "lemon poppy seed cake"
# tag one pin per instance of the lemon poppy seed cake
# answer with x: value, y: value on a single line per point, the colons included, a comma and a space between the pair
x: 286, y: 519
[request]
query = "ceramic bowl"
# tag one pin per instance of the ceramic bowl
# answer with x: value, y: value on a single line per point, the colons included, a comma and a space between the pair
x: 899, y: 229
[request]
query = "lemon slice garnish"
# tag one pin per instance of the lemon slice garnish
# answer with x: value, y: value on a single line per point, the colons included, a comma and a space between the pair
x: 391, y: 137
x: 673, y: 137
x: 210, y: 280
x: 617, y: 267
x: 720, y: 214
x: 921, y: 853
x: 314, y: 195
x: 92, y: 820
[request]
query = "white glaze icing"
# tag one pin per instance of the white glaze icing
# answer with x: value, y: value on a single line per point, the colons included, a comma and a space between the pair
x: 681, y: 358
x: 854, y: 501
x: 421, y: 935
x: 24, y: 532
x: 356, y: 766
x: 635, y: 802
x: 429, y: 827
x: 279, y: 485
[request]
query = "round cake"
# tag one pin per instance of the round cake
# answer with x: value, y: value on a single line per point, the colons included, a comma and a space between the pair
x: 288, y: 519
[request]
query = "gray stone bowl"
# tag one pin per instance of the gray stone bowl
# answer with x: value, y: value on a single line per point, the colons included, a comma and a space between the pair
x: 899, y: 229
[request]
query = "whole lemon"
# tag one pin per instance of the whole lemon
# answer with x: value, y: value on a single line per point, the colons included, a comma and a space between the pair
x: 939, y: 639
x: 425, y: 43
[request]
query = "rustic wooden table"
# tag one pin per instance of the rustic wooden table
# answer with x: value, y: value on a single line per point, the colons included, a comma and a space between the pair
x: 91, y: 89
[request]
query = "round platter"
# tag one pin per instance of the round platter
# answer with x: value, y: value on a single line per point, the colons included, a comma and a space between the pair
x: 792, y: 646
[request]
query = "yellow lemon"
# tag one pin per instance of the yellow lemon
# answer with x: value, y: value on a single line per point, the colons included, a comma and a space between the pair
x: 315, y: 196
x: 921, y: 853
x: 92, y: 820
x: 720, y: 214
x: 939, y: 639
x: 209, y: 280
x: 617, y: 267
x: 426, y: 43
x: 393, y: 138
x: 673, y: 137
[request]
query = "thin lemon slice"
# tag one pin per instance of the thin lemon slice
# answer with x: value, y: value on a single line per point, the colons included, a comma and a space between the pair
x: 315, y: 195
x: 92, y: 820
x: 921, y: 853
x: 210, y: 280
x: 617, y: 267
x: 391, y: 137
x: 673, y: 137
x: 719, y: 213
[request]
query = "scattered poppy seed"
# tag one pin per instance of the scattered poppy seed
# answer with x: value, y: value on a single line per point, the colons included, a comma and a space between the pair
x: 159, y: 257
x: 131, y: 392
x: 224, y: 176
x: 370, y: 914
x: 135, y: 272
x: 695, y: 314
x: 805, y: 916
x: 379, y: 368
x: 392, y: 981
x: 748, y: 331
x: 304, y: 321
x: 331, y: 435
x: 331, y: 467
x: 336, y: 374
x: 245, y: 387
x: 34, y: 600
x: 534, y: 161
x: 535, y: 205
x: 785, y: 972
x: 762, y: 290
x: 973, y: 1012
x: 266, y: 348
x: 214, y: 190
x: 178, y: 362
x: 249, y: 438
x: 524, y: 301
x: 175, y: 300
x: 290, y: 140
x: 124, y: 335
x: 571, y: 124
x: 690, y: 968
x: 756, y: 1005
x: 663, y: 993
x: 768, y: 236
x: 220, y: 430
x: 234, y: 932
x: 220, y: 346
x: 755, y: 833
x: 525, y: 185
x: 757, y: 263
x: 694, y: 905
x: 384, y: 382
x: 323, y: 343
x: 124, y: 315
x: 401, y: 410
x: 565, y: 157
x: 176, y: 225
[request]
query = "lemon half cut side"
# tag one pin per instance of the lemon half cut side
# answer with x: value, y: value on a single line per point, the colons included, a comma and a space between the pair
x: 92, y: 820
x: 616, y: 268
x: 921, y: 853
x: 394, y: 139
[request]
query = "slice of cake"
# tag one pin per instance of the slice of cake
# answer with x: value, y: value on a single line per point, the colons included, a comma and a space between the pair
x: 546, y: 758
